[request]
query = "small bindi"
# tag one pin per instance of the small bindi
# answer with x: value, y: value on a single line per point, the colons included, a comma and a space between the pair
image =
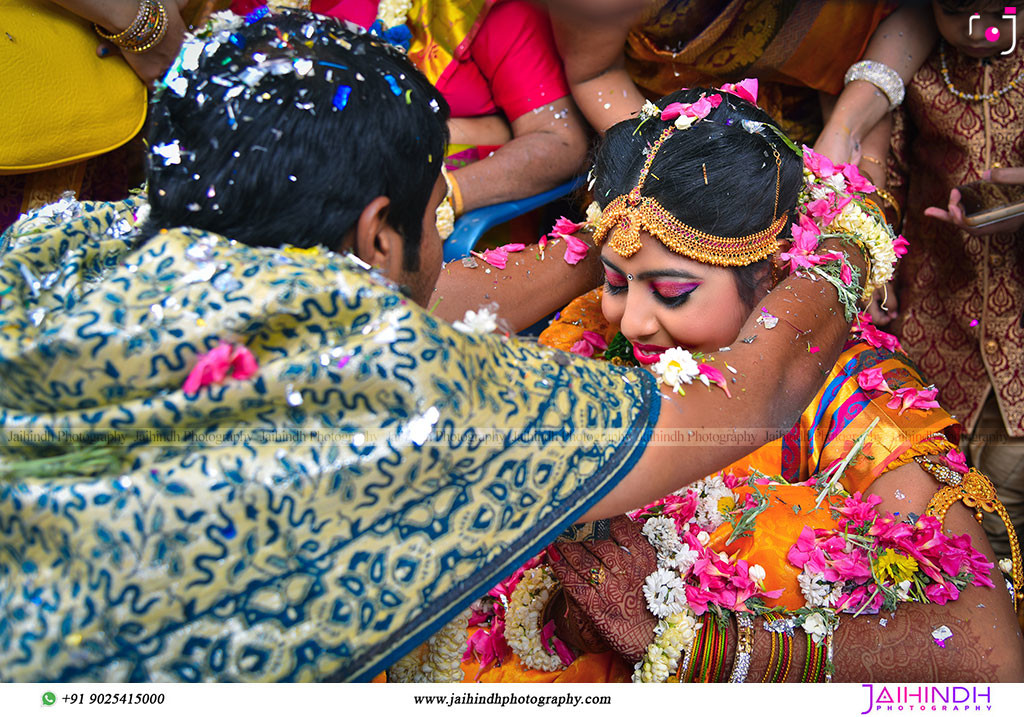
x: 629, y: 277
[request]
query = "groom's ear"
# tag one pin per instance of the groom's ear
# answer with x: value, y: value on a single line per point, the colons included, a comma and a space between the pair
x: 378, y: 243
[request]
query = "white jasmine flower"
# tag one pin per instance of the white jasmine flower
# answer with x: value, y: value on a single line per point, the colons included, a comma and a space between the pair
x: 712, y: 492
x: 665, y: 593
x: 661, y: 533
x: 837, y: 182
x: 483, y: 321
x: 684, y: 121
x: 676, y: 366
x: 816, y: 590
x: 444, y: 218
x: 703, y: 538
x: 815, y: 626
x: 757, y: 573
x: 1006, y: 565
x: 820, y: 192
x: 684, y: 559
x: 594, y: 213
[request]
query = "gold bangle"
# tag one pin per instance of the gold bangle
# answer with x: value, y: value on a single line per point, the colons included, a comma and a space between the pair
x: 133, y: 29
x: 453, y: 184
x: 873, y: 160
x: 146, y: 31
x: 889, y: 199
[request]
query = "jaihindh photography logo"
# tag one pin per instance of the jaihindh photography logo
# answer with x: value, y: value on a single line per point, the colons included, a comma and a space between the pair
x: 927, y: 698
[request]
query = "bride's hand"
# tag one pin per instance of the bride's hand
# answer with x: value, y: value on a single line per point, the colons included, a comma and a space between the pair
x: 605, y: 579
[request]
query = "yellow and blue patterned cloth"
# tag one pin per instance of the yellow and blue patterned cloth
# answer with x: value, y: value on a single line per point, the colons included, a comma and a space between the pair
x: 316, y: 521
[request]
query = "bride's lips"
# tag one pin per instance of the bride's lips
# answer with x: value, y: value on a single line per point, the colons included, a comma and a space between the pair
x: 647, y: 354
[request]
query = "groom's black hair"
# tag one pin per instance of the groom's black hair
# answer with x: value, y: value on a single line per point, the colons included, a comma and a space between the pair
x: 282, y: 129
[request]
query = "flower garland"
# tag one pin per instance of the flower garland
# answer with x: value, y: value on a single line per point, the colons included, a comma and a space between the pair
x: 437, y: 660
x: 868, y: 563
x: 833, y: 203
x: 523, y: 616
x: 673, y: 637
x: 872, y: 562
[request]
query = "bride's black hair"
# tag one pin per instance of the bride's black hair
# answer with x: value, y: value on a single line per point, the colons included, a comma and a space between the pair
x: 718, y: 175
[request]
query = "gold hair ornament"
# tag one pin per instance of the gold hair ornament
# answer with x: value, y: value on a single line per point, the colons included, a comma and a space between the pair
x: 632, y: 213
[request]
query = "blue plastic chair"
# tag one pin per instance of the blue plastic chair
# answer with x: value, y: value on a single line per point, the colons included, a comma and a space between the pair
x: 472, y: 225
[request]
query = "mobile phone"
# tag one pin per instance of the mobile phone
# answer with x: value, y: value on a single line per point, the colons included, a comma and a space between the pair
x: 987, y: 203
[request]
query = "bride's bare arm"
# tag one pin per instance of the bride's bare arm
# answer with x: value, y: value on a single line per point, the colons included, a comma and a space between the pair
x: 986, y: 645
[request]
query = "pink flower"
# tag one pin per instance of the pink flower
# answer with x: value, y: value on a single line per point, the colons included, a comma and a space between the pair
x: 590, y: 343
x: 800, y: 553
x: 854, y: 566
x: 498, y: 257
x: 845, y: 274
x: 874, y: 336
x: 213, y: 367
x: 891, y: 532
x: 818, y: 163
x: 855, y: 180
x: 575, y: 249
x: 699, y: 109
x: 854, y: 601
x: 552, y: 645
x: 582, y: 348
x: 714, y: 376
x: 563, y: 227
x: 873, y: 379
x: 698, y: 599
x: 919, y: 399
x: 858, y: 511
x: 827, y: 209
x: 901, y: 246
x: 488, y: 646
x: 744, y: 89
x: 941, y: 593
x: 953, y: 554
x: 957, y: 461
x: 801, y: 250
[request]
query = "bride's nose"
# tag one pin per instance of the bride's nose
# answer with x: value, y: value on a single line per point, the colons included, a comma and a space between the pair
x: 639, y: 321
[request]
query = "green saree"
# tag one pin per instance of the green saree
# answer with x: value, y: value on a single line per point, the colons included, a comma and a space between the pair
x: 317, y: 520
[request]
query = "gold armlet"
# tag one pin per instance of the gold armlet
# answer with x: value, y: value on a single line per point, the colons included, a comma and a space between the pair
x: 977, y: 492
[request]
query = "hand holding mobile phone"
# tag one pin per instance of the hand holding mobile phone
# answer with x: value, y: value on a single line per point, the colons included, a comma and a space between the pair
x: 985, y: 203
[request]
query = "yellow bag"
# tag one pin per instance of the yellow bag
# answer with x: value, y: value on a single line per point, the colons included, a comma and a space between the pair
x: 60, y: 102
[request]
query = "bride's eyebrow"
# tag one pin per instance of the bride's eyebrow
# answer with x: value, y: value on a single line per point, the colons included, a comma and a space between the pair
x: 676, y: 273
x: 612, y: 266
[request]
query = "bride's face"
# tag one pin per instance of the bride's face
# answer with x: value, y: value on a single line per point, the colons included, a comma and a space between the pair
x: 661, y: 299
